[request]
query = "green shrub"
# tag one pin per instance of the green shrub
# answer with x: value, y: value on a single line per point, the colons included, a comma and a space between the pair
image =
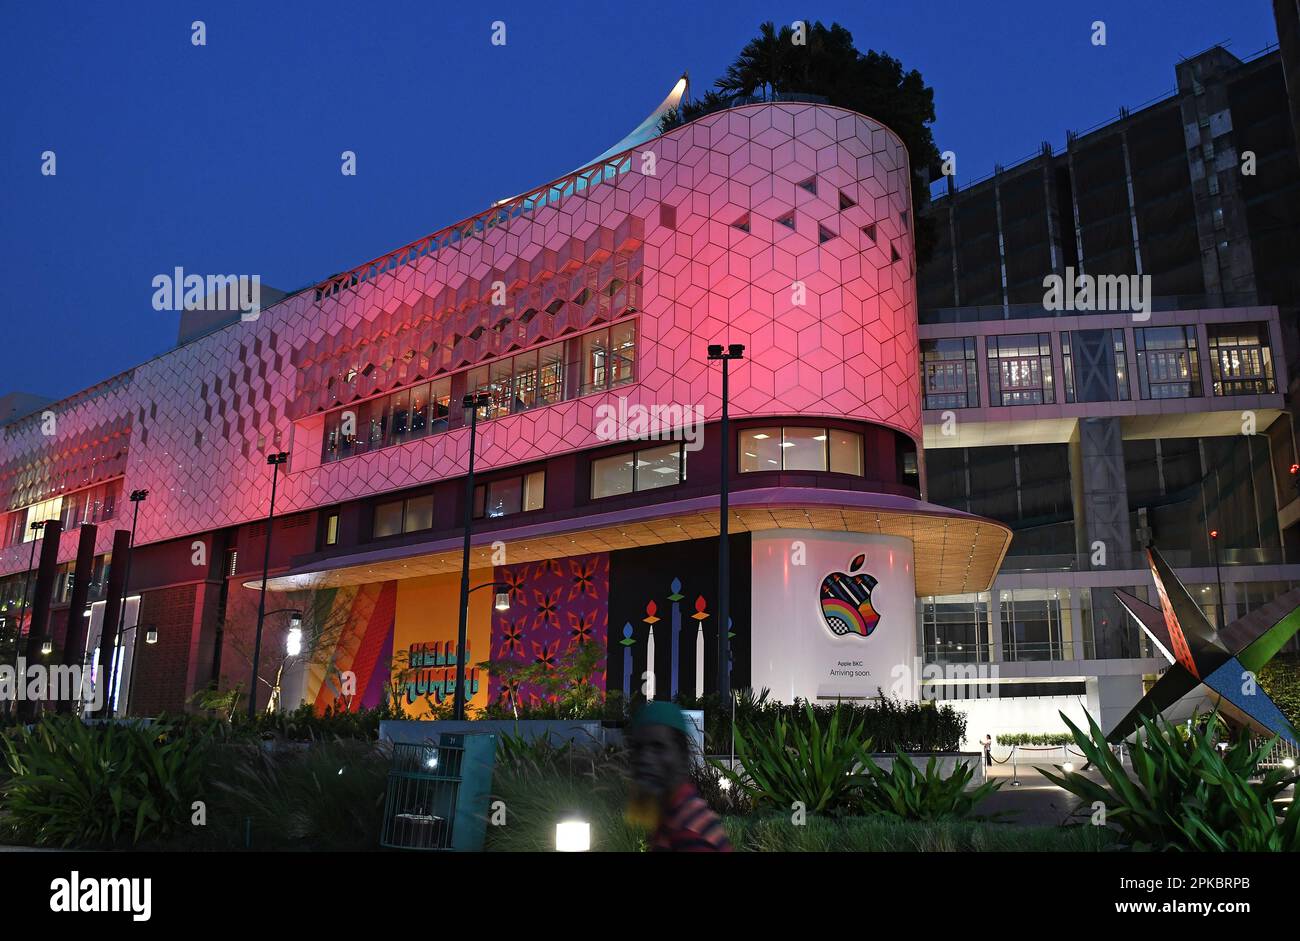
x: 111, y: 784
x: 305, y: 724
x: 1046, y: 739
x: 890, y: 723
x: 769, y: 834
x: 909, y: 793
x: 1184, y: 792
x: 542, y: 784
x: 567, y: 686
x: 325, y: 796
x: 718, y: 791
x: 802, y: 761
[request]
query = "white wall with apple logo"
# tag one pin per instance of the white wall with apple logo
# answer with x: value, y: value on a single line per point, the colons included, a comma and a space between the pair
x: 793, y: 652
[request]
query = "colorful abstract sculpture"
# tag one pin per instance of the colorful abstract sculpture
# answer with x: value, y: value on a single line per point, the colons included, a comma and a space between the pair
x: 1200, y: 657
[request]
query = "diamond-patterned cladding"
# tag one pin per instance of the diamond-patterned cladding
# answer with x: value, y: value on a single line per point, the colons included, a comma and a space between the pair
x: 663, y: 248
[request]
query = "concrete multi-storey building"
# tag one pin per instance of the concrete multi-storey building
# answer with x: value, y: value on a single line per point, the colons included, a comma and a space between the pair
x: 1091, y: 432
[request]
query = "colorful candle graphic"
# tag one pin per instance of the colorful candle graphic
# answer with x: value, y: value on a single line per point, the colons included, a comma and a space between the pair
x: 651, y: 610
x: 700, y: 616
x: 627, y: 642
x: 676, y: 597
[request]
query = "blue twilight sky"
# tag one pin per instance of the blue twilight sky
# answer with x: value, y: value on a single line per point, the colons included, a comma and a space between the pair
x: 225, y: 158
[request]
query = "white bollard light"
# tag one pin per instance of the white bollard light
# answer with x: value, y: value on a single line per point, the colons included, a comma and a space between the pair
x: 573, y: 836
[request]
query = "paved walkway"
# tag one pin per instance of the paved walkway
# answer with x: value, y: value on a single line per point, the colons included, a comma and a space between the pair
x: 1035, y: 801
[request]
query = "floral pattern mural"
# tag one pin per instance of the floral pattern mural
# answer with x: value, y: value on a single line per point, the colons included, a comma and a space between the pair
x: 554, y: 604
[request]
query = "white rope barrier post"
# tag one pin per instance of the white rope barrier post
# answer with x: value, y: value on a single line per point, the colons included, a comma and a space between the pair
x: 1015, y: 768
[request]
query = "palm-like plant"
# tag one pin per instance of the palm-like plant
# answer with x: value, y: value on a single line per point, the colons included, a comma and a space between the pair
x: 1185, y: 792
x: 801, y: 762
x: 761, y: 64
x: 907, y: 792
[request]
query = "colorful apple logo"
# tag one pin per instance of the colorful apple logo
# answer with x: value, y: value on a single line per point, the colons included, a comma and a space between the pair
x: 846, y: 601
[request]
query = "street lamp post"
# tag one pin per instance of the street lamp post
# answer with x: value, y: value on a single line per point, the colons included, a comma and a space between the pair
x: 292, y: 648
x: 275, y: 460
x: 473, y: 403
x: 150, y: 637
x: 137, y: 497
x: 733, y: 351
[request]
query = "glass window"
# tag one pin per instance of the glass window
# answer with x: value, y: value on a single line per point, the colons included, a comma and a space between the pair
x: 476, y: 382
x: 948, y: 373
x: 510, y: 495
x: 796, y: 448
x: 419, y: 514
x: 1020, y: 369
x: 660, y: 467
x: 347, y: 440
x: 504, y: 497
x: 332, y: 529
x: 400, y: 409
x: 760, y: 449
x: 525, y: 394
x: 1168, y: 364
x: 803, y: 449
x: 364, y: 430
x: 388, y: 519
x: 622, y: 345
x: 647, y: 469
x: 419, y: 421
x: 611, y: 476
x: 1241, y: 361
x: 439, y: 404
x: 40, y: 513
x: 535, y: 491
x: 595, y: 361
x: 550, y: 374
x: 846, y: 452
x: 499, y: 387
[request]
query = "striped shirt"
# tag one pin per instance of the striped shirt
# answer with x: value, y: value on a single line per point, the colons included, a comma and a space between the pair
x: 689, y: 826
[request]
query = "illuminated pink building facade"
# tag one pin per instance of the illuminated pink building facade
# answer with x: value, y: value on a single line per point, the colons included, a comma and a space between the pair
x: 580, y: 309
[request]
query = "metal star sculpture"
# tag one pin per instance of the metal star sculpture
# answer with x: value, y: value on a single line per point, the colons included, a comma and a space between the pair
x: 1199, y: 657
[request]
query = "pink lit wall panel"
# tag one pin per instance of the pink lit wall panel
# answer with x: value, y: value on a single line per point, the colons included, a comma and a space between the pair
x: 783, y: 227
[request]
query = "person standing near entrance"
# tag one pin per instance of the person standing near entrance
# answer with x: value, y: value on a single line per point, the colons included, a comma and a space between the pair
x: 988, y: 750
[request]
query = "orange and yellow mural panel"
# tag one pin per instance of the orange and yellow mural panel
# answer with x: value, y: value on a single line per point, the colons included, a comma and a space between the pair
x: 424, y: 642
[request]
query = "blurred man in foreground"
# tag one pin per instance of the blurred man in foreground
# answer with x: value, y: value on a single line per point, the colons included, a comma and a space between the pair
x: 662, y: 788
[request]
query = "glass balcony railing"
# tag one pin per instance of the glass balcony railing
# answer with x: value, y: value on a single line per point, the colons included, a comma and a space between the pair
x: 1056, y: 650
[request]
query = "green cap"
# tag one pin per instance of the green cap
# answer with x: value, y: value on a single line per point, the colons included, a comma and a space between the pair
x: 661, y: 712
